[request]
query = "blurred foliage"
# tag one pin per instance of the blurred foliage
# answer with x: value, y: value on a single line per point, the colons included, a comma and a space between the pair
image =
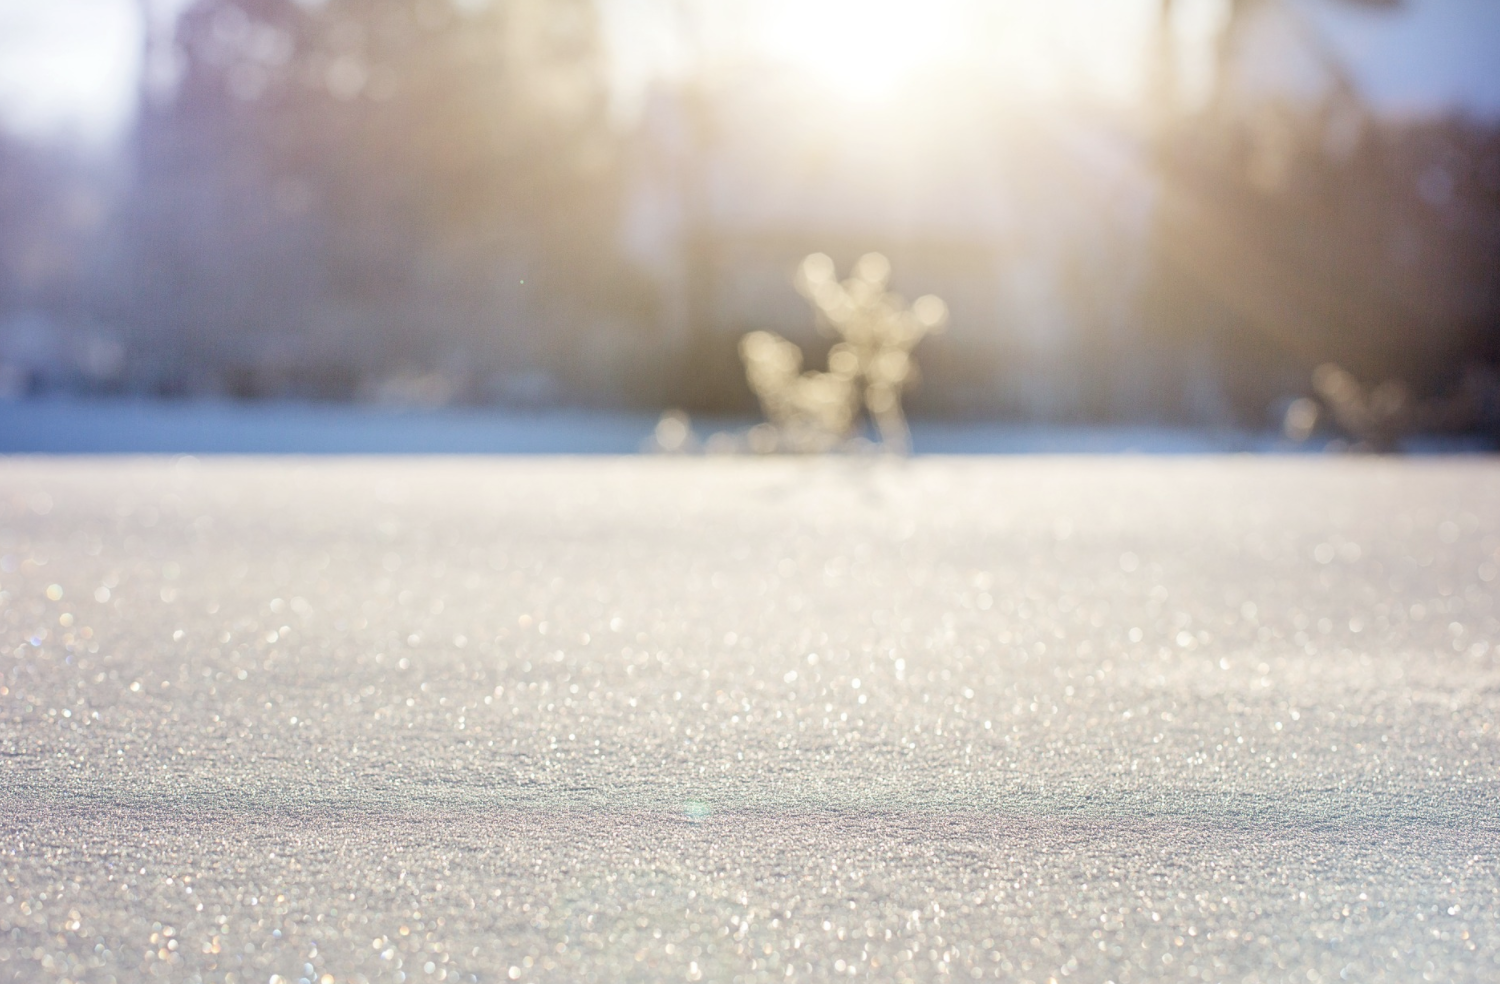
x: 1382, y: 417
x: 870, y: 364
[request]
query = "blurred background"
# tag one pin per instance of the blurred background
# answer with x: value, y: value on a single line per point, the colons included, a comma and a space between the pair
x: 1144, y: 212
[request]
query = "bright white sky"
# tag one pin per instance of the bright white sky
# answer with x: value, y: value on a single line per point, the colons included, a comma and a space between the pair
x: 67, y: 64
x: 70, y: 66
x: 865, y: 48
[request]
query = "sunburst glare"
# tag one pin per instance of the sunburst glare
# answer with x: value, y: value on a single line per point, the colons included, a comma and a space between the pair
x: 864, y: 48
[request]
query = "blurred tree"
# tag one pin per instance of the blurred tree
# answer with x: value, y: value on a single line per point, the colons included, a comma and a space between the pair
x: 1294, y: 231
x: 30, y: 256
x: 344, y: 190
x: 53, y: 204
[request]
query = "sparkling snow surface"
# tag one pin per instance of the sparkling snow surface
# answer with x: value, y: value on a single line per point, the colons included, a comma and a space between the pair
x: 730, y: 720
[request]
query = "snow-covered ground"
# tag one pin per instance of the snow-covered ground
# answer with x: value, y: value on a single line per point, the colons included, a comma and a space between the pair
x: 729, y: 719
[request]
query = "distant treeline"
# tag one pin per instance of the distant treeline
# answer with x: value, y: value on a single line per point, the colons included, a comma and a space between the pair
x: 421, y: 201
x: 1294, y: 236
x: 408, y: 198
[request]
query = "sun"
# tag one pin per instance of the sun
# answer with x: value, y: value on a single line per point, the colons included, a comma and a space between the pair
x: 863, y: 48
